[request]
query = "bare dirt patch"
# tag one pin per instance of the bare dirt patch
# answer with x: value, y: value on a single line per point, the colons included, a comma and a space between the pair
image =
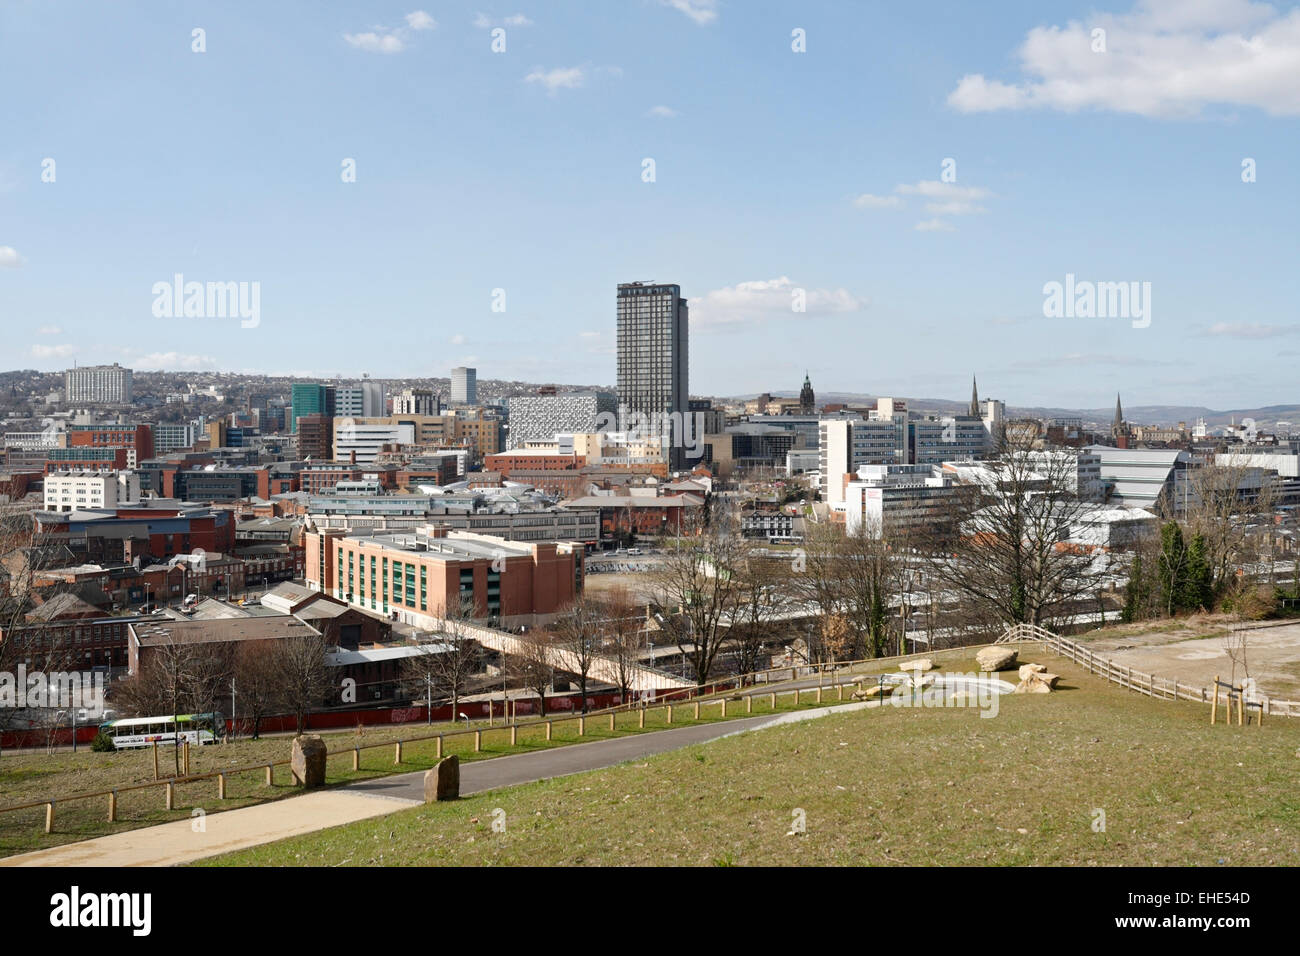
x: 1194, y: 650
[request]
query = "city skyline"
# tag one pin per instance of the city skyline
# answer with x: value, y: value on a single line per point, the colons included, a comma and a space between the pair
x: 918, y: 226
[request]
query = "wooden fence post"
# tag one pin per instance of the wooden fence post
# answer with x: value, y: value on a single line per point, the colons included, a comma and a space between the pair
x: 112, y: 806
x: 155, y: 760
x: 1214, y: 701
x: 171, y: 795
x: 724, y: 706
x: 612, y: 725
x: 221, y: 786
x: 269, y: 771
x: 49, y: 816
x: 669, y: 719
x: 514, y: 735
x: 478, y: 741
x: 749, y: 703
x: 772, y: 701
x: 697, y: 710
x: 397, y: 752
x: 438, y: 750
x: 641, y: 719
x: 796, y: 696
x: 582, y: 726
x: 548, y: 730
x: 356, y: 758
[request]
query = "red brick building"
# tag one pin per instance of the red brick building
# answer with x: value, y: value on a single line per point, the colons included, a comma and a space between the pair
x: 415, y: 577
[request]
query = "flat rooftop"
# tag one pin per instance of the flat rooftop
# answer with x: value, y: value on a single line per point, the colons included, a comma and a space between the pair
x: 223, y: 630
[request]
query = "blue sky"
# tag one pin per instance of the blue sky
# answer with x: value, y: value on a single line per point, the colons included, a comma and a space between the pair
x: 774, y: 171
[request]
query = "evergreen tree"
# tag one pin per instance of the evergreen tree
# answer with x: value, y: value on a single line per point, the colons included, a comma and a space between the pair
x: 1172, y: 572
x: 1136, y: 593
x: 1197, y: 586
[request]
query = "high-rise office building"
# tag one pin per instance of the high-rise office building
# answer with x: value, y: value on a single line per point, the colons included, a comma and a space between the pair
x: 367, y: 400
x: 653, y: 360
x: 310, y: 398
x: 416, y: 401
x: 97, y: 385
x: 464, y: 386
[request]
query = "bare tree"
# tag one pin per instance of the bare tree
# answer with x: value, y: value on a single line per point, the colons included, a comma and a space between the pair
x: 255, y: 679
x: 620, y: 636
x: 1222, y: 502
x: 40, y: 645
x: 577, y: 629
x: 449, y: 669
x: 533, y: 665
x: 696, y: 585
x: 762, y: 598
x: 302, y: 674
x: 1005, y: 552
x: 872, y: 571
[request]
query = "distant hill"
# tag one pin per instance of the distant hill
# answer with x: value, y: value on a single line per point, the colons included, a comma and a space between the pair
x: 1267, y: 416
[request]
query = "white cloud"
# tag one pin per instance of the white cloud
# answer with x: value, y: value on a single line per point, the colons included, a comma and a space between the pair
x: 1163, y: 58
x: 560, y: 78
x: 376, y: 42
x: 9, y: 258
x: 767, y: 298
x: 53, y: 351
x: 419, y: 20
x: 662, y: 112
x: 701, y: 11
x: 1251, y: 330
x: 484, y: 22
x: 869, y: 201
x: 942, y: 199
x: 458, y: 340
x: 49, y: 330
x: 381, y: 39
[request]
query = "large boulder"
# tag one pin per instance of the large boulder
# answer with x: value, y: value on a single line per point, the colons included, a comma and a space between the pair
x: 873, y: 691
x: 923, y: 664
x: 1036, y: 682
x: 996, y: 658
x: 1027, y: 669
x: 443, y: 781
x: 307, y: 760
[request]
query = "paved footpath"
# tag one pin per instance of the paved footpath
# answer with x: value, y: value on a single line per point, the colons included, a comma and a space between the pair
x: 174, y: 843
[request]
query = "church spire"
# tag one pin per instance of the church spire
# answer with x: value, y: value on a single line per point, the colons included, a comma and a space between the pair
x: 974, y: 398
x: 1119, y: 413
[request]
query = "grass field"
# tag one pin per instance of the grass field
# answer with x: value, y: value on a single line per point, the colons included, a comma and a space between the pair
x: 887, y: 786
x: 30, y: 777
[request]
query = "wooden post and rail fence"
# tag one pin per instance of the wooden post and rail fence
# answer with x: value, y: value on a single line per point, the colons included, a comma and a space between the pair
x: 699, y: 696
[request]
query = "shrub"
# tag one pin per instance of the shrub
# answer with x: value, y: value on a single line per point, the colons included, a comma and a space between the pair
x: 102, y: 743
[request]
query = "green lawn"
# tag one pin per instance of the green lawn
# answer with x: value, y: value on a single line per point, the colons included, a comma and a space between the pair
x: 30, y: 777
x: 888, y: 786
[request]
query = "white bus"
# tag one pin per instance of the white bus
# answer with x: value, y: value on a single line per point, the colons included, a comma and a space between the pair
x: 146, y: 731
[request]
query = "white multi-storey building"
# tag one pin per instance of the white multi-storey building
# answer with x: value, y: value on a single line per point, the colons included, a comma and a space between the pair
x: 366, y: 439
x: 97, y: 385
x: 81, y: 490
x: 896, y: 499
x: 844, y: 445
